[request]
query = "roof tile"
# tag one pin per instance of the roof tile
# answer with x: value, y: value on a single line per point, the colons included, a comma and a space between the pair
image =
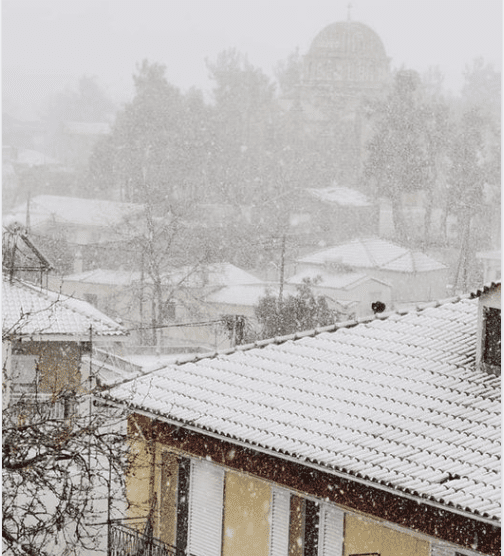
x: 381, y: 399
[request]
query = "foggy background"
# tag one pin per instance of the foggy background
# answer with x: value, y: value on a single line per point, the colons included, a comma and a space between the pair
x: 176, y: 160
x: 48, y: 44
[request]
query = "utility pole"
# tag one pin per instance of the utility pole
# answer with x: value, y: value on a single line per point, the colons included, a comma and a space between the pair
x: 142, y: 278
x: 282, y: 272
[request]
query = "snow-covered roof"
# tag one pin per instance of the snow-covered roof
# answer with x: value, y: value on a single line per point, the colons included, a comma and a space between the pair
x: 395, y: 400
x: 343, y: 281
x: 87, y: 128
x: 72, y: 210
x: 105, y: 277
x: 246, y: 294
x: 29, y: 310
x: 374, y: 253
x: 343, y: 196
x: 28, y: 157
x: 217, y: 274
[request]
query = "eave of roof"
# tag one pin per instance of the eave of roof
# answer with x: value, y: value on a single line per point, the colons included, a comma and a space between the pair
x: 484, y: 289
x: 338, y: 471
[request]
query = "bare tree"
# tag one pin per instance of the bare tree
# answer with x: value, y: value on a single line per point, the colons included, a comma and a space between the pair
x: 63, y: 465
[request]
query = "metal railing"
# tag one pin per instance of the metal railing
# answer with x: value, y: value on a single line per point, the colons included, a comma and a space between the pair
x: 127, y: 541
x: 41, y: 406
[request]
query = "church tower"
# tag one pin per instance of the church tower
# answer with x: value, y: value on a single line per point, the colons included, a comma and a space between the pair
x: 345, y: 67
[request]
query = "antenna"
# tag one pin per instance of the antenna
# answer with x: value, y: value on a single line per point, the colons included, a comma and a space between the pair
x: 349, y: 11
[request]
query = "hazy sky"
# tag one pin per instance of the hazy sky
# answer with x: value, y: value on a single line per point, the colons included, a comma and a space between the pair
x: 48, y: 44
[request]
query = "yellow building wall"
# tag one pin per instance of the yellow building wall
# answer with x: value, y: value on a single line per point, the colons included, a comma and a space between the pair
x: 362, y: 536
x: 58, y: 364
x: 296, y: 528
x: 247, y: 504
x: 138, y: 480
x: 166, y: 482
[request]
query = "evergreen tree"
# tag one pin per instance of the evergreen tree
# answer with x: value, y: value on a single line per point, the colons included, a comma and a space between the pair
x: 296, y: 313
x: 397, y: 159
x: 155, y: 151
x: 466, y: 181
x: 241, y: 126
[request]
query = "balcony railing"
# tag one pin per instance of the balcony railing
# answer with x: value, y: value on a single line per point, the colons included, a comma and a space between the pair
x: 41, y: 406
x: 127, y: 541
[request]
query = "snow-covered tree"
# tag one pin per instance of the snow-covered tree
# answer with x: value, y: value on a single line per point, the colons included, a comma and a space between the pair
x: 295, y: 313
x: 397, y: 158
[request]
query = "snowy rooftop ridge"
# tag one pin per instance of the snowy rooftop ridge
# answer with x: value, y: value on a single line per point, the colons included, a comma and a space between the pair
x: 374, y: 253
x: 72, y: 210
x: 29, y: 310
x: 408, y: 409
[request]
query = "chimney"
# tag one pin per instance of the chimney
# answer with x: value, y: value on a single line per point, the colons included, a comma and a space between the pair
x: 488, y: 347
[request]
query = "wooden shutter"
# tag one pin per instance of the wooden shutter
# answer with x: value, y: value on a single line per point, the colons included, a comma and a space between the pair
x: 331, y: 531
x: 280, y: 512
x: 205, y: 509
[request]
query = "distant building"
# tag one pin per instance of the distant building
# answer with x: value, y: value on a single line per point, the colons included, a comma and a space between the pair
x: 345, y: 67
x: 30, y: 172
x: 315, y: 217
x: 47, y: 341
x: 88, y: 225
x: 413, y: 275
x: 195, y: 301
x: 351, y: 294
x: 21, y: 258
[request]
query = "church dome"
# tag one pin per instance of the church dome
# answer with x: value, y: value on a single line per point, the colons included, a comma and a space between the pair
x: 347, y: 38
x: 346, y: 54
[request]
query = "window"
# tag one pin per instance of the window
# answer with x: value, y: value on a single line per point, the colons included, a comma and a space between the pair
x: 24, y: 372
x: 311, y: 528
x: 279, y: 535
x: 205, y: 509
x: 492, y: 336
x: 183, y: 502
x: 444, y: 550
x: 331, y: 531
x: 315, y: 528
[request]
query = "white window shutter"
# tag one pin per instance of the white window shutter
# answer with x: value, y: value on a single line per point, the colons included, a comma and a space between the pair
x: 331, y: 531
x: 280, y: 514
x: 439, y: 550
x: 205, y: 509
